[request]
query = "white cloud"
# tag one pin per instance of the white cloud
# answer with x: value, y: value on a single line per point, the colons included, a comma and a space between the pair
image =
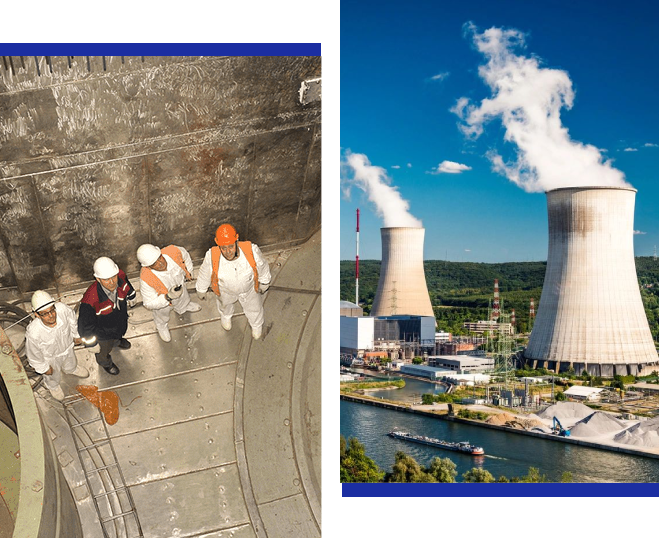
x: 409, y: 165
x: 440, y: 76
x: 528, y: 98
x: 650, y: 145
x: 396, y: 167
x: 630, y: 149
x: 638, y: 232
x: 450, y: 167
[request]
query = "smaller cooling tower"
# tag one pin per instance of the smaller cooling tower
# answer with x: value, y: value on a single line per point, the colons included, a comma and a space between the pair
x: 402, y: 288
x: 591, y: 314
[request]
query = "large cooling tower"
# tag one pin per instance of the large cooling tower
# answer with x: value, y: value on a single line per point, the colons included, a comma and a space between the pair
x: 591, y: 314
x: 402, y: 288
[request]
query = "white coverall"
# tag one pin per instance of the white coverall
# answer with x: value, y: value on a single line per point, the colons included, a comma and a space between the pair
x: 236, y: 283
x: 170, y: 277
x: 53, y: 346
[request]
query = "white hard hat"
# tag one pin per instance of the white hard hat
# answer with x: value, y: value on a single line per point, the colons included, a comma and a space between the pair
x: 148, y: 254
x: 41, y: 299
x: 104, y: 267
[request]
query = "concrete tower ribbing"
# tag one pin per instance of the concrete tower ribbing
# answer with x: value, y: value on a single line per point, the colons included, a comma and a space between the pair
x: 591, y: 314
x: 402, y: 288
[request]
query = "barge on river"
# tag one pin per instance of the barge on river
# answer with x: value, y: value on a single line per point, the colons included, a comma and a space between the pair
x: 461, y: 446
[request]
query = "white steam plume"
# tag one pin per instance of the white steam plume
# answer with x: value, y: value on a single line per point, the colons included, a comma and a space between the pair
x: 373, y: 180
x: 528, y: 98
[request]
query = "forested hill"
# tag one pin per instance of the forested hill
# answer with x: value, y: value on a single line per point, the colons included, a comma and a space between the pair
x: 460, y: 291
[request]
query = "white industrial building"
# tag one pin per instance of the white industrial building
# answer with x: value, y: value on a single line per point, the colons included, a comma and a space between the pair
x: 462, y: 364
x: 591, y: 314
x: 591, y: 394
x: 423, y: 371
x: 442, y: 337
x: 357, y: 333
x: 466, y: 379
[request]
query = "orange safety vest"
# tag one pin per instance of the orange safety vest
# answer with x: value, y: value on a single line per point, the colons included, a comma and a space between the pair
x: 152, y: 280
x: 246, y: 248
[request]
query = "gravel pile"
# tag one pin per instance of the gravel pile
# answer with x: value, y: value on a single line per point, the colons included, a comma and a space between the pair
x: 598, y: 423
x: 500, y: 419
x: 643, y: 434
x: 563, y: 410
x: 506, y: 419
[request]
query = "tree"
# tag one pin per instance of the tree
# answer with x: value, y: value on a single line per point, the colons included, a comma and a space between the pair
x: 427, y: 399
x: 477, y: 475
x: 356, y: 466
x: 443, y: 470
x: 417, y: 360
x: 534, y: 476
x: 618, y: 382
x: 560, y: 396
x: 406, y: 469
x: 566, y: 477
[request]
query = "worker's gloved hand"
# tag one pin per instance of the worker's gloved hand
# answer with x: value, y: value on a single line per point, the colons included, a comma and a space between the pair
x: 175, y: 292
x: 202, y: 295
x: 263, y: 288
x: 131, y: 302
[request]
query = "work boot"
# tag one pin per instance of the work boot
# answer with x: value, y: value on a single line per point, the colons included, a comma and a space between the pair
x: 124, y: 344
x: 80, y: 371
x: 113, y: 369
x: 256, y: 332
x: 164, y: 334
x: 193, y: 307
x: 226, y: 323
x: 57, y: 393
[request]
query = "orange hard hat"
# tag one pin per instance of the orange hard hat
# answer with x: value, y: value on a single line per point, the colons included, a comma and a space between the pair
x: 225, y: 235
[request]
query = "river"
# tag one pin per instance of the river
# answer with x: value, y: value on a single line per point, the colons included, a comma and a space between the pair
x: 507, y: 454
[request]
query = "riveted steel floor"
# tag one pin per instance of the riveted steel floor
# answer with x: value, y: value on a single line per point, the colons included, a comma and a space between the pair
x: 218, y: 434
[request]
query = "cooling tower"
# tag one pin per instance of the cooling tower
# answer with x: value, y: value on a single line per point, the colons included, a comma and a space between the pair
x: 591, y: 314
x: 402, y: 288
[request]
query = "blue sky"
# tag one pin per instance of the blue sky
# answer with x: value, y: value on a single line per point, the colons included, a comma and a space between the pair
x: 405, y: 65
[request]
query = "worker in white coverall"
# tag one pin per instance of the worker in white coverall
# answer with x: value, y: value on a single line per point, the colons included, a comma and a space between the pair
x: 162, y: 284
x: 49, y: 341
x: 235, y: 271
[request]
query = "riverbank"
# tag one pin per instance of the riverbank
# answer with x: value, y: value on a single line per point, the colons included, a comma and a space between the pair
x: 442, y: 414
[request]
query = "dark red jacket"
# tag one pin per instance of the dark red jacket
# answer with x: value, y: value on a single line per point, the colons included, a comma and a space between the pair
x: 99, y: 317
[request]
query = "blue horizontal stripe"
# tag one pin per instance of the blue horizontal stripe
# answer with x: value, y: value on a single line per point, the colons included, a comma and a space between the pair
x: 160, y: 49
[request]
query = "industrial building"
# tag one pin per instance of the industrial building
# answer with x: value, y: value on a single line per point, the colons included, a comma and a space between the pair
x: 402, y: 288
x: 418, y: 370
x: 98, y: 155
x: 591, y: 315
x: 590, y: 394
x: 483, y: 326
x: 462, y: 364
x: 442, y: 337
x: 466, y: 379
x: 397, y: 336
x: 357, y: 334
x: 409, y: 329
x: 461, y: 345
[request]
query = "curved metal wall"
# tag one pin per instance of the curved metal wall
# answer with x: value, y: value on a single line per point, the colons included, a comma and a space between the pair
x: 591, y: 314
x: 101, y: 154
x: 402, y: 288
x: 46, y: 508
